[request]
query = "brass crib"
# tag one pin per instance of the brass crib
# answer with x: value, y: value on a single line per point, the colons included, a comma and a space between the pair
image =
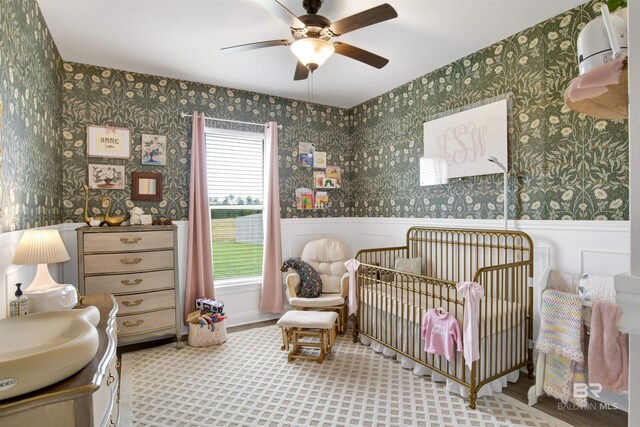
x: 392, y: 303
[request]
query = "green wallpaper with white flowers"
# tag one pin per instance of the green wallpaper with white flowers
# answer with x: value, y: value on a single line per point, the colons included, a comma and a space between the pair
x: 30, y: 126
x: 564, y: 165
x: 152, y: 105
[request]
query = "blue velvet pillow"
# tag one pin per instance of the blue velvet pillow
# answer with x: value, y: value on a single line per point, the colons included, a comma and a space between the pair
x: 311, y: 281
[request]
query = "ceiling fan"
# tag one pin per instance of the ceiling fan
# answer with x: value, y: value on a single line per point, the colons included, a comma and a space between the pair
x: 312, y: 34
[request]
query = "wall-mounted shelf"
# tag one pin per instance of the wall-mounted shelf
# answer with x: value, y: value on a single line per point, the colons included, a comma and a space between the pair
x: 612, y: 105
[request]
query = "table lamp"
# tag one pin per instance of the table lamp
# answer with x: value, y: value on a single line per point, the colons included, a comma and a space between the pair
x: 42, y: 247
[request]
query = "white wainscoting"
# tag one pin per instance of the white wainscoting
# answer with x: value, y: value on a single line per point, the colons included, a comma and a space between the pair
x: 598, y: 247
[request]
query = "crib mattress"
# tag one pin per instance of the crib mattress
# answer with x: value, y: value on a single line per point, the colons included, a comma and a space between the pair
x: 495, y: 314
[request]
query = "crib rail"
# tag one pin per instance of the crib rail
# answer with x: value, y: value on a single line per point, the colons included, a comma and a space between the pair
x: 382, y: 257
x: 510, y: 306
x: 457, y: 254
x: 392, y: 303
x: 391, y: 307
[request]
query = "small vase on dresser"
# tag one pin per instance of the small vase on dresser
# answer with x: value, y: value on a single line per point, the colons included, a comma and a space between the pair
x: 138, y: 265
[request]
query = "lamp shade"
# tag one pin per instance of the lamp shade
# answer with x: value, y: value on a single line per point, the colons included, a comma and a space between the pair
x: 40, y: 247
x: 312, y: 52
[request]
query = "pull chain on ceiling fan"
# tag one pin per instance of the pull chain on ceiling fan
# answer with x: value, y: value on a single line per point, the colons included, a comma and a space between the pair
x: 312, y: 35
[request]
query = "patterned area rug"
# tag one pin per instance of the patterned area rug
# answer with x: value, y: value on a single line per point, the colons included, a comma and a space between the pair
x: 248, y: 382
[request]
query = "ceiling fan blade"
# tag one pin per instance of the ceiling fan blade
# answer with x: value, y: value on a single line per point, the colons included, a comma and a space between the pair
x: 301, y: 73
x: 256, y: 45
x: 360, y: 55
x: 365, y: 18
x: 278, y: 9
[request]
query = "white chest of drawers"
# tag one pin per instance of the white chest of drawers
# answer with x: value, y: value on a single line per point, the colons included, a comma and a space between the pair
x: 138, y: 265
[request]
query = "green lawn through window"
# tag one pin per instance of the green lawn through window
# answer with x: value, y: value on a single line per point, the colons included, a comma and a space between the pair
x: 236, y: 259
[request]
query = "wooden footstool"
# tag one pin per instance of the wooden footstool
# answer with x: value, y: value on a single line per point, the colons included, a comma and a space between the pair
x: 296, y: 324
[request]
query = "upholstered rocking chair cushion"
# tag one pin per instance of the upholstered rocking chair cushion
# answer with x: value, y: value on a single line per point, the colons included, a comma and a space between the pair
x: 311, y: 281
x: 323, y: 301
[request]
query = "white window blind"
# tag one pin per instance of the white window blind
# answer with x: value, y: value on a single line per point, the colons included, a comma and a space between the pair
x: 234, y: 166
x: 235, y: 179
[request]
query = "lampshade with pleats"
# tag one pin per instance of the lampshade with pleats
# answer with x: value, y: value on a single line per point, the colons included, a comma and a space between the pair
x: 40, y: 247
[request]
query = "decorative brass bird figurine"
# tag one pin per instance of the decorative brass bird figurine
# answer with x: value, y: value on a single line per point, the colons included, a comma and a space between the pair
x: 88, y: 218
x: 112, y: 221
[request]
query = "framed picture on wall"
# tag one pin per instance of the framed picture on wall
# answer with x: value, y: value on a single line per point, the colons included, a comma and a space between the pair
x: 108, y: 141
x: 154, y: 150
x: 463, y: 140
x: 146, y: 186
x: 106, y: 177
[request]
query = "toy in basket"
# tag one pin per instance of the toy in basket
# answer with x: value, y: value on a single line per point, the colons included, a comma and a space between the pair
x: 206, y: 324
x: 210, y: 305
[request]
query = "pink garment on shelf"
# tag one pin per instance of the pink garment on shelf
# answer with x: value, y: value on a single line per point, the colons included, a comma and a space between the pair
x: 440, y: 333
x: 608, y: 348
x: 594, y: 83
x: 352, y: 267
x: 199, y: 275
x: 272, y: 298
x: 472, y: 294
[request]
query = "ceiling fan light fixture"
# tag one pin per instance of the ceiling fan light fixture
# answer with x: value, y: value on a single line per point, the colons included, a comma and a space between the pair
x: 312, y: 52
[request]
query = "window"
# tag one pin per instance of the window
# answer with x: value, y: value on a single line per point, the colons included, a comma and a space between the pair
x: 235, y: 177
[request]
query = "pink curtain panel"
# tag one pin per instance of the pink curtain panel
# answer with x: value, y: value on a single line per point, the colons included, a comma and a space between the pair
x: 272, y: 300
x: 199, y: 280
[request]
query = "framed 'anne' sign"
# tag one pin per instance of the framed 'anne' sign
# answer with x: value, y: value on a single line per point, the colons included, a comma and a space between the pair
x: 464, y: 140
x: 108, y: 141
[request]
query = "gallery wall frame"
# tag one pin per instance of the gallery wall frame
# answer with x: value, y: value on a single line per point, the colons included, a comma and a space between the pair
x: 106, y: 177
x: 108, y: 141
x: 146, y: 186
x: 153, y: 150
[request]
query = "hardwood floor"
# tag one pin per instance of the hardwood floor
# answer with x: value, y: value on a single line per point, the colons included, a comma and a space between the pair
x: 592, y: 417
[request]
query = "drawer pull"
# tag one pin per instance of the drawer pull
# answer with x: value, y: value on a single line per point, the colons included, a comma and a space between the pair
x: 128, y: 282
x: 132, y: 304
x: 128, y: 241
x: 127, y: 261
x: 128, y: 324
x: 110, y: 379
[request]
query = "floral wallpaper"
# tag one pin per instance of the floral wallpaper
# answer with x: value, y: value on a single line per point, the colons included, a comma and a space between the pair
x: 30, y: 126
x: 152, y: 105
x: 564, y: 165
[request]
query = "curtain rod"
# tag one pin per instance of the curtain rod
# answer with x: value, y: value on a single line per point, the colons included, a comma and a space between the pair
x: 229, y: 121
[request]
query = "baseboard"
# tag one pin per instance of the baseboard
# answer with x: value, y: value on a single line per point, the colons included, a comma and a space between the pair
x: 251, y: 317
